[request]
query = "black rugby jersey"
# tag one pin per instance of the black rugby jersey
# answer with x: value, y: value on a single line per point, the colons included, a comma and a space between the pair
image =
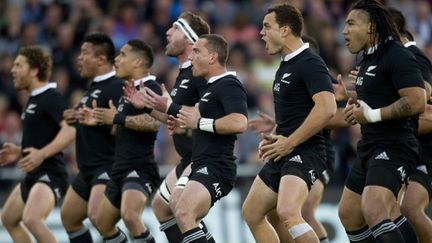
x: 41, y: 120
x: 301, y: 75
x: 95, y: 144
x: 224, y: 95
x: 378, y: 81
x: 426, y: 71
x: 134, y: 149
x: 186, y: 91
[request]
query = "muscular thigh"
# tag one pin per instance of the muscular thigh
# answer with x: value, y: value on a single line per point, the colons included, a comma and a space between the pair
x: 261, y: 198
x: 195, y: 199
x: 14, y: 206
x: 40, y: 202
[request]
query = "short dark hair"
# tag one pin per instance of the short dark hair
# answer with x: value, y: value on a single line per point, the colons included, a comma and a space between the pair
x: 217, y: 43
x: 313, y: 44
x: 103, y: 45
x: 198, y: 24
x: 288, y: 15
x: 38, y: 58
x: 400, y: 22
x: 143, y: 50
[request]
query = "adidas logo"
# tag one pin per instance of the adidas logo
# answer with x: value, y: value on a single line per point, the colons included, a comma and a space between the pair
x: 104, y: 176
x: 296, y: 159
x: 133, y: 174
x: 45, y: 178
x: 382, y: 156
x: 203, y: 170
x: 423, y: 169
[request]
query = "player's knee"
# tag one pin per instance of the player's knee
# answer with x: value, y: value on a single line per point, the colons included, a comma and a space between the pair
x: 130, y: 217
x: 92, y: 215
x: 410, y: 210
x: 288, y: 212
x: 344, y: 214
x: 251, y: 217
x: 183, y: 215
x: 31, y: 221
x: 373, y: 213
x: 8, y: 220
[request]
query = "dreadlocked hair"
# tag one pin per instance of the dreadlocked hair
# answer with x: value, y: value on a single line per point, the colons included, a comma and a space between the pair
x: 382, y: 24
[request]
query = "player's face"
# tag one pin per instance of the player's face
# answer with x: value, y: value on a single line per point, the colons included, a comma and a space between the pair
x: 21, y: 73
x: 124, y: 62
x: 357, y: 31
x: 88, y: 61
x: 176, y: 41
x: 200, y: 58
x: 271, y: 34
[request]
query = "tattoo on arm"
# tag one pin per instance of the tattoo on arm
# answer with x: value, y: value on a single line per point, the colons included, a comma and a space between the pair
x: 143, y: 123
x: 400, y: 109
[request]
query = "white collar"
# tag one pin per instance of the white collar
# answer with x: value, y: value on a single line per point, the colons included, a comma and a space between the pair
x: 296, y: 52
x: 43, y: 89
x: 213, y: 79
x: 145, y: 79
x: 104, y: 76
x: 186, y: 64
x: 410, y: 43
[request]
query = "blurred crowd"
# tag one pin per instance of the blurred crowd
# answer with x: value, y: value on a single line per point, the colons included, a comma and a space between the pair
x: 60, y: 26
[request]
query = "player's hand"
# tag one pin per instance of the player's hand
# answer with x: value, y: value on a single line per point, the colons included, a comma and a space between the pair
x: 9, y: 154
x: 427, y: 114
x: 104, y: 115
x: 137, y: 98
x: 70, y: 115
x: 279, y: 148
x: 34, y: 157
x: 173, y: 126
x: 340, y: 90
x: 262, y: 124
x: 159, y: 102
x: 348, y: 112
x: 359, y: 112
x: 188, y: 117
x: 266, y: 139
x: 353, y: 75
x: 85, y: 116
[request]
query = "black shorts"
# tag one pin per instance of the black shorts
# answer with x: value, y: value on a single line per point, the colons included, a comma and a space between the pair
x: 388, y: 166
x: 327, y: 174
x: 184, y: 163
x: 143, y: 180
x: 302, y: 163
x: 423, y: 175
x: 84, y: 181
x: 218, y: 181
x: 58, y: 182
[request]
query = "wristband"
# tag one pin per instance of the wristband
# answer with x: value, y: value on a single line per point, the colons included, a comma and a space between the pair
x: 373, y: 115
x: 207, y: 124
x: 119, y: 119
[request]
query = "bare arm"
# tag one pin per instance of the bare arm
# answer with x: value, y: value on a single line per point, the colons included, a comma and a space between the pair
x: 412, y: 101
x: 143, y: 123
x: 35, y: 157
x: 162, y: 117
x: 233, y: 123
x: 337, y: 121
x: 323, y: 110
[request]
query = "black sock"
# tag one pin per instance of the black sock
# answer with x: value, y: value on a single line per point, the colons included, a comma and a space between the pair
x: 118, y: 237
x: 80, y: 236
x: 387, y: 232
x: 406, y: 229
x: 195, y: 235
x: 363, y: 235
x: 209, y: 236
x: 172, y: 231
x: 145, y: 237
